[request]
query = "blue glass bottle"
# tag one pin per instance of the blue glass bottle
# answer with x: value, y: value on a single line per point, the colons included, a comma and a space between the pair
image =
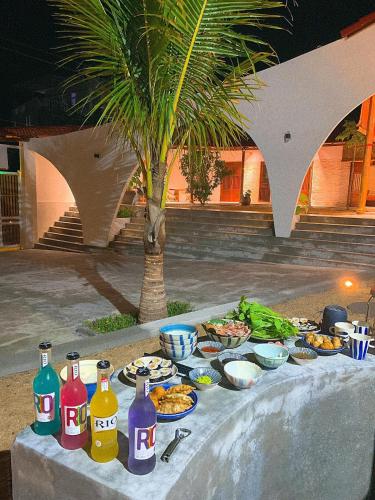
x: 46, y: 388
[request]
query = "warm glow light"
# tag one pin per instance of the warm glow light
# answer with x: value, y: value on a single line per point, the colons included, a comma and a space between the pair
x: 348, y: 283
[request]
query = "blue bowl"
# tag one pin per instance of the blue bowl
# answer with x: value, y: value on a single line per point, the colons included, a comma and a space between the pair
x: 177, y: 416
x: 88, y: 372
x: 200, y: 372
x: 178, y: 333
x: 187, y: 342
x: 226, y: 357
x: 178, y: 354
x: 323, y: 352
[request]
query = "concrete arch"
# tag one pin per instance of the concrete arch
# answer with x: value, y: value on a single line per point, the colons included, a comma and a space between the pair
x: 307, y: 97
x: 97, y: 167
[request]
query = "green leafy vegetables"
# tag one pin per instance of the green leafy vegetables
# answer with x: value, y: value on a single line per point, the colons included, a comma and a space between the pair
x: 264, y: 323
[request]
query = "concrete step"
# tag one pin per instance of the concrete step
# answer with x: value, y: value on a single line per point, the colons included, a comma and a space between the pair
x: 74, y: 220
x: 65, y: 230
x: 219, y: 222
x: 217, y: 215
x: 347, y: 220
x: 310, y: 261
x: 337, y: 228
x: 71, y: 213
x: 61, y: 243
x: 64, y: 237
x: 333, y: 236
x: 73, y: 209
x: 43, y: 246
x: 68, y: 225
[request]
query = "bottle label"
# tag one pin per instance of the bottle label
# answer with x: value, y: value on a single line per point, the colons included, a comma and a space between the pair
x: 75, y: 419
x: 104, y: 384
x: 144, y: 442
x: 105, y: 423
x: 147, y: 388
x: 44, y: 407
x: 43, y: 359
x: 75, y: 371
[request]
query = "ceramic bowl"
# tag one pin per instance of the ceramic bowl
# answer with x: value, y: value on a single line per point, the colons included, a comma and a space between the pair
x: 226, y: 357
x: 309, y: 355
x: 178, y: 353
x: 186, y: 342
x: 324, y: 352
x: 210, y: 355
x: 210, y: 372
x: 178, y: 333
x: 242, y: 374
x: 271, y: 355
x: 228, y: 341
x: 88, y: 375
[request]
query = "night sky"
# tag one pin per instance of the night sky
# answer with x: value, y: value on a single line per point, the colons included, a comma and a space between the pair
x: 28, y: 38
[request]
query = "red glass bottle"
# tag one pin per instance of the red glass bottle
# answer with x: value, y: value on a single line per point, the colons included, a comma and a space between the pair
x: 73, y: 407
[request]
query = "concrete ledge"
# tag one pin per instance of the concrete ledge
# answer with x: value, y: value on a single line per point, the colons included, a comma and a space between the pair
x: 22, y: 361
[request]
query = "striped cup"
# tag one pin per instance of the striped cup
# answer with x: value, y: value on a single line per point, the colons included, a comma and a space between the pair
x: 361, y: 327
x: 359, y: 344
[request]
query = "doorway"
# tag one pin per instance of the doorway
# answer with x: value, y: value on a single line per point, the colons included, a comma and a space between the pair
x: 231, y: 184
x: 264, y: 184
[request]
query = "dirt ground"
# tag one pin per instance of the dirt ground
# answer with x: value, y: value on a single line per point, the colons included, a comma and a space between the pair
x: 16, y: 389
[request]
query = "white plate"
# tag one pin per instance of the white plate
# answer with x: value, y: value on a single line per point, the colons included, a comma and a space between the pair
x: 87, y: 371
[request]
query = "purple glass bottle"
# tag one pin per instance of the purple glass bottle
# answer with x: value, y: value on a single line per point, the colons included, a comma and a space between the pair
x: 142, y: 427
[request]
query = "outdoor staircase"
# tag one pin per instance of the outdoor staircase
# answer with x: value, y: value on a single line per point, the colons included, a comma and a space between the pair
x: 322, y: 241
x: 65, y: 235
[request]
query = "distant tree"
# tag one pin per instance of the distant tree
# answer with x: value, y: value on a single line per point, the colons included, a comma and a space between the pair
x: 350, y: 134
x: 203, y: 171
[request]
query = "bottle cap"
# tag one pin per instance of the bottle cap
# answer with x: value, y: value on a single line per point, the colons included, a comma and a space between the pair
x: 103, y: 364
x: 143, y: 372
x: 45, y: 345
x: 72, y: 355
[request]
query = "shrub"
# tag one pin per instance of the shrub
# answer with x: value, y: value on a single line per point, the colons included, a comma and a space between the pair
x: 125, y: 212
x: 111, y: 323
x: 176, y: 307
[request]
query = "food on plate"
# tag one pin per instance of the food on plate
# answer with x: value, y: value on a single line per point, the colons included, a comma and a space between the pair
x: 232, y: 329
x: 265, y: 324
x: 160, y: 369
x: 173, y: 400
x: 323, y: 341
x: 204, y: 379
x: 181, y: 388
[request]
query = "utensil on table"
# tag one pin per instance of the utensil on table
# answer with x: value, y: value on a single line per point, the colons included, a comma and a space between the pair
x: 180, y: 434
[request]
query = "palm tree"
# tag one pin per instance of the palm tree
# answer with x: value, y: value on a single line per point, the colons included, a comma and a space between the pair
x: 167, y: 76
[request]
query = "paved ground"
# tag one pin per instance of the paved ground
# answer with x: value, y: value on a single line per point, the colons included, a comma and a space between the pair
x: 47, y: 294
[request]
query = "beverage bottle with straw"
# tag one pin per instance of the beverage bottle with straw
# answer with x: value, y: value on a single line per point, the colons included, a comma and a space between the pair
x: 73, y: 407
x: 46, y: 388
x: 103, y: 416
x: 142, y: 427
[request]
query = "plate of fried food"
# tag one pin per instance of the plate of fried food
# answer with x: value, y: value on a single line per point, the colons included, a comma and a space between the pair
x: 324, y: 344
x: 173, y: 402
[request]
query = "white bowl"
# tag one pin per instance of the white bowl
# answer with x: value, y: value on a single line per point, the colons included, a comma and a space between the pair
x: 242, y: 374
x: 178, y: 333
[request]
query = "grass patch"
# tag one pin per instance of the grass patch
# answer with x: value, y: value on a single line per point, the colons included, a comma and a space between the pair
x: 176, y: 307
x: 125, y: 213
x: 111, y: 323
x: 115, y: 322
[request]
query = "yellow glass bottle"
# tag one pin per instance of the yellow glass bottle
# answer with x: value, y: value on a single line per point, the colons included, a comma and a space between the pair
x: 103, y: 416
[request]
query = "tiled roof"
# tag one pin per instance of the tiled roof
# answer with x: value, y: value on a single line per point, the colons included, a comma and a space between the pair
x: 26, y: 133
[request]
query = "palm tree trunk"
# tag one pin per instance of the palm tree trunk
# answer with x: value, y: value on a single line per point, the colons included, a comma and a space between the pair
x: 153, y: 303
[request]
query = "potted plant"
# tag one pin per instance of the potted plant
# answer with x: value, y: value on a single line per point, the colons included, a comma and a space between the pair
x: 246, y: 198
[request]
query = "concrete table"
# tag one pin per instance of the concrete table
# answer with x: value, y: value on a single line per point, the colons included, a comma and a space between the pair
x: 300, y: 433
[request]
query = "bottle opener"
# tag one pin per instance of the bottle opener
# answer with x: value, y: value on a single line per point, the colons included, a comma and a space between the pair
x: 179, y: 436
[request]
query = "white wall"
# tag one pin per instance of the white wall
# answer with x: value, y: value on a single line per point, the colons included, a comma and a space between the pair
x: 97, y: 167
x: 53, y: 194
x: 307, y: 96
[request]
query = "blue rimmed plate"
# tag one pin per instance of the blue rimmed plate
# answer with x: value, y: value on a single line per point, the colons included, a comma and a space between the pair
x: 166, y: 417
x: 323, y: 352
